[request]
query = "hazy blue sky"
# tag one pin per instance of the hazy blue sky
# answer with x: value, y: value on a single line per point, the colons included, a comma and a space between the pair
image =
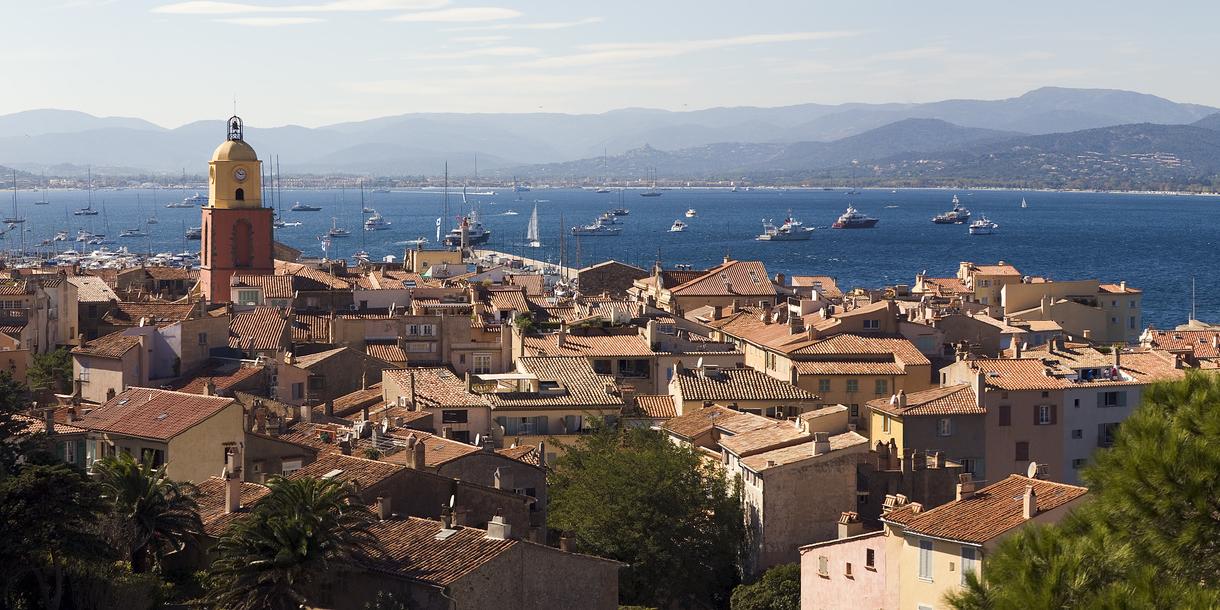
x: 314, y: 62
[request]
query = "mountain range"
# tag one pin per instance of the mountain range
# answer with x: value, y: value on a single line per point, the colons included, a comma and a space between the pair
x: 801, y: 141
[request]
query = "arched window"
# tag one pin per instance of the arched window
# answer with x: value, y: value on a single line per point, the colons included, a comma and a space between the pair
x: 241, y: 195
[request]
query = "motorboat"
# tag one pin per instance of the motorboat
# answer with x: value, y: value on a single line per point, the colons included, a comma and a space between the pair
x: 619, y: 212
x: 983, y: 226
x: 854, y: 219
x: 132, y: 233
x: 376, y: 222
x: 790, y: 230
x: 509, y: 213
x: 597, y: 229
x: 958, y: 215
x: 476, y: 233
x: 195, y: 200
x: 304, y: 207
x: 691, y: 213
x: 61, y: 236
x: 194, y: 233
x: 677, y: 227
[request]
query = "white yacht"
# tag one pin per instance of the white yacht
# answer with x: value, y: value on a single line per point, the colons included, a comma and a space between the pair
x: 677, y: 227
x: 983, y: 226
x: 532, y: 239
x: 791, y: 230
x: 336, y: 230
x: 691, y: 213
x: 376, y: 222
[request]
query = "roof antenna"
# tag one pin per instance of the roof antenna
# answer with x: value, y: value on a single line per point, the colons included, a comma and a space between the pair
x: 234, y: 104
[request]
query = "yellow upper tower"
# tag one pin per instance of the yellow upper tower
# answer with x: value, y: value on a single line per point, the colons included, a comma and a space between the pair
x: 235, y: 175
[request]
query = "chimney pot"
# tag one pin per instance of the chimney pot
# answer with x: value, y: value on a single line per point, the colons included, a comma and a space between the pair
x: 965, y: 486
x: 1029, y: 504
x: 821, y: 443
x: 383, y: 508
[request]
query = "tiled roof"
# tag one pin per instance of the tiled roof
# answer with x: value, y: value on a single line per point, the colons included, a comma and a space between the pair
x: 311, y: 327
x: 849, y: 367
x: 161, y: 314
x: 532, y: 283
x: 824, y: 284
x: 945, y: 285
x: 949, y: 400
x: 113, y: 345
x: 262, y: 328
x: 1019, y: 374
x: 410, y: 549
x: 390, y: 352
x: 779, y: 434
x: 997, y: 270
x: 222, y: 380
x: 859, y: 345
x: 616, y: 343
x: 91, y: 289
x: 211, y: 500
x: 356, y: 401
x: 1199, y: 343
x: 38, y: 425
x: 734, y: 278
x: 796, y: 453
x: 657, y: 406
x: 305, y: 362
x: 273, y: 286
x: 437, y: 450
x: 172, y: 273
x: 154, y: 414
x: 308, y: 278
x: 1119, y: 289
x: 510, y: 299
x: 435, y: 387
x: 698, y: 422
x: 13, y: 328
x: 736, y: 384
x: 991, y: 511
x: 10, y: 288
x: 527, y: 454
x: 364, y: 473
x: 578, y: 386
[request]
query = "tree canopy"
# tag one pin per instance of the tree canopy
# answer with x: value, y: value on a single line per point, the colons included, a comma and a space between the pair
x: 633, y: 496
x: 1150, y: 535
x: 778, y: 589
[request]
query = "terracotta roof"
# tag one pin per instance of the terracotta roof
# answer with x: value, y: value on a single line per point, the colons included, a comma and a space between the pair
x: 161, y: 314
x: 390, y: 352
x: 759, y: 462
x: 949, y: 400
x: 272, y: 286
x: 527, y: 454
x: 113, y: 345
x: 657, y: 406
x: 615, y: 343
x: 309, y: 278
x: 992, y: 511
x: 223, y: 377
x: 736, y: 384
x: 154, y: 414
x: 311, y: 327
x: 356, y: 401
x: 576, y: 385
x: 859, y: 345
x: 410, y: 549
x: 1119, y: 289
x: 364, y: 473
x: 171, y: 273
x: 262, y: 328
x: 38, y: 425
x: 305, y: 362
x: 509, y: 299
x: 211, y: 500
x: 780, y: 433
x: 1019, y: 374
x: 704, y: 420
x: 824, y: 284
x: 435, y: 387
x: 13, y: 328
x: 10, y: 288
x: 1199, y: 343
x: 734, y: 278
x: 532, y: 283
x: 996, y: 270
x: 437, y: 450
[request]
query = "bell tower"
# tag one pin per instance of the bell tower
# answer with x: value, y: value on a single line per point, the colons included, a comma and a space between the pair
x: 237, y: 231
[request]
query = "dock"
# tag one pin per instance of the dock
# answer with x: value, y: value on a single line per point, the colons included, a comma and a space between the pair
x: 505, y: 258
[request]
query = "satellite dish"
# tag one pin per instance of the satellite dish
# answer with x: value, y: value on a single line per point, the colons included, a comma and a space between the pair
x: 1032, y: 471
x: 452, y: 500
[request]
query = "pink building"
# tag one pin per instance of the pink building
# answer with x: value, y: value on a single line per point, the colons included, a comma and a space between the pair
x: 849, y: 572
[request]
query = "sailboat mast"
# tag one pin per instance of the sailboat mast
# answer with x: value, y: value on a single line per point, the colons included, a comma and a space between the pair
x: 445, y: 202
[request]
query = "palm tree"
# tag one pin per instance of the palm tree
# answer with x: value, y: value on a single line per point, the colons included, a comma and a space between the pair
x: 297, y: 537
x: 155, y: 515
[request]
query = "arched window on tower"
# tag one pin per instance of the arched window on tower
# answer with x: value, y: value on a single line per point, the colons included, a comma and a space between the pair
x: 241, y: 195
x: 243, y: 244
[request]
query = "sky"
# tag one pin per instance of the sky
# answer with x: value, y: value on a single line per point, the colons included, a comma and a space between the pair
x: 318, y: 62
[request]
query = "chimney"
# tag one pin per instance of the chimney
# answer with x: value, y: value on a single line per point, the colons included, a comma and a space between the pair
x: 48, y: 421
x: 850, y: 525
x: 965, y: 486
x: 446, y: 518
x: 232, y: 478
x: 1016, y: 348
x: 901, y: 399
x: 1123, y: 286
x: 821, y: 443
x: 1029, y: 503
x: 563, y: 332
x: 734, y: 307
x: 209, y: 387
x: 306, y: 414
x: 502, y: 479
x: 717, y: 312
x: 1118, y: 357
x: 498, y: 529
x: 542, y: 454
x: 469, y: 384
x: 796, y: 325
x: 383, y: 508
x: 908, y: 459
x: 980, y: 386
x: 329, y: 408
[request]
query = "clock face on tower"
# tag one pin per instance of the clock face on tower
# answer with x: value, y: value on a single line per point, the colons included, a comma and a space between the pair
x: 240, y: 174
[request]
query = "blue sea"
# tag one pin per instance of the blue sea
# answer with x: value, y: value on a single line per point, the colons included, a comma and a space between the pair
x: 1158, y: 243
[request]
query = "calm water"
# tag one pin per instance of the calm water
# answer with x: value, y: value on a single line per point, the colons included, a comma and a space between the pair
x: 1155, y: 242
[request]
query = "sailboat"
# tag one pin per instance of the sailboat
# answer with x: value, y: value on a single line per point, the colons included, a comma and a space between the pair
x: 531, y: 233
x: 1023, y: 204
x: 603, y: 188
x: 41, y: 200
x: 652, y: 192
x: 14, y: 219
x: 336, y: 230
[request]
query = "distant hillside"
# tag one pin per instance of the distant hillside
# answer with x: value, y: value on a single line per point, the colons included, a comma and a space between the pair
x: 420, y: 143
x: 1139, y: 156
x: 724, y: 160
x: 1211, y: 121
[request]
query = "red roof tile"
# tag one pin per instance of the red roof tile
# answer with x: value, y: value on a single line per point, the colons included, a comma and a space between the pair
x: 153, y: 414
x: 113, y: 345
x: 949, y: 400
x: 262, y: 328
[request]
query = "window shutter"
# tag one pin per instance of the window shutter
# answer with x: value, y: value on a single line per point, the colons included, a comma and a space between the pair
x: 543, y: 426
x: 1054, y: 414
x: 1037, y: 408
x: 1101, y: 399
x: 1005, y: 415
x: 1122, y: 399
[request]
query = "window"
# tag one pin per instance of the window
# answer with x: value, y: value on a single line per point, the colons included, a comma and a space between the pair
x: 1076, y: 403
x: 156, y: 457
x: 70, y: 452
x: 240, y: 195
x: 1022, y: 451
x: 1078, y: 433
x: 1005, y: 415
x: 412, y: 329
x: 316, y: 382
x: 1044, y: 415
x: 1111, y: 399
x: 427, y: 330
x: 925, y: 559
x: 870, y: 559
x: 203, y: 338
x: 872, y: 324
x: 770, y: 361
x: 1131, y: 323
x: 974, y: 466
x: 881, y: 387
x: 1131, y: 304
x: 1078, y: 463
x: 1106, y: 433
x: 944, y: 427
x: 1046, y: 394
x: 885, y: 423
x: 461, y: 436
x: 823, y: 566
x: 853, y: 410
x: 298, y: 391
x: 454, y: 416
x: 481, y: 364
x: 853, y: 385
x: 823, y: 385
x: 968, y: 560
x: 248, y: 297
x: 84, y: 374
x: 601, y: 367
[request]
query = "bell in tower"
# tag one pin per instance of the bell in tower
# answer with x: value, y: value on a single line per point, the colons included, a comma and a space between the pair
x: 237, y: 233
